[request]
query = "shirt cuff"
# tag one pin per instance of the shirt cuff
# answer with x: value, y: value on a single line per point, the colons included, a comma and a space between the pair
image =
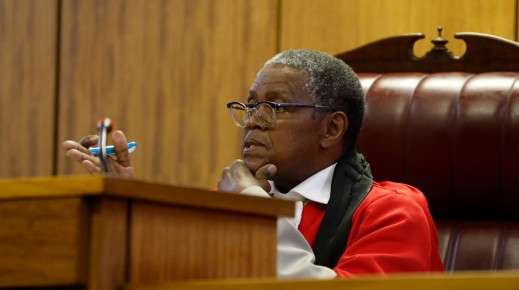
x: 255, y: 191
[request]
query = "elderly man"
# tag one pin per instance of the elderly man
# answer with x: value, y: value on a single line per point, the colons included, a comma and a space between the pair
x: 300, y: 122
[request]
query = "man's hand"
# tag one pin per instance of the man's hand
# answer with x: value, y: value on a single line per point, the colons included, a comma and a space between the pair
x: 237, y: 177
x: 119, y: 167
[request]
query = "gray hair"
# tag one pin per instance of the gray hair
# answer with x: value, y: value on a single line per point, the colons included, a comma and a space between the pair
x: 330, y: 81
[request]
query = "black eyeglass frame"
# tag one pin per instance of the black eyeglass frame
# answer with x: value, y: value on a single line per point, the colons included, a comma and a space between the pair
x: 273, y: 105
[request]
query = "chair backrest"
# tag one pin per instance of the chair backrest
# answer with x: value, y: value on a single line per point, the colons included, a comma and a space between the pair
x: 449, y: 126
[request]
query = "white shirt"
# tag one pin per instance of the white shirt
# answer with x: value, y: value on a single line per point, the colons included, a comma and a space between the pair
x: 315, y: 188
x: 295, y: 257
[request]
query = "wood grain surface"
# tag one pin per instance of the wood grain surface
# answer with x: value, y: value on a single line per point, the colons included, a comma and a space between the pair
x: 177, y: 243
x: 336, y: 26
x: 119, y: 231
x: 163, y: 71
x: 504, y: 280
x: 43, y: 242
x: 28, y: 41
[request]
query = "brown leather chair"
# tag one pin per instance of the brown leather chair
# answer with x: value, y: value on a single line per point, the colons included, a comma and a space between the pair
x: 450, y: 127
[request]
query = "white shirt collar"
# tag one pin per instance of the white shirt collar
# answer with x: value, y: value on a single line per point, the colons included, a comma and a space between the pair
x: 315, y: 188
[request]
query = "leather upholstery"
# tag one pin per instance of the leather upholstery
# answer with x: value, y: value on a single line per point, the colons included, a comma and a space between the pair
x: 455, y: 136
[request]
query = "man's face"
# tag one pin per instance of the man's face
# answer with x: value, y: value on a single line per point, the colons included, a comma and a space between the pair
x: 293, y: 142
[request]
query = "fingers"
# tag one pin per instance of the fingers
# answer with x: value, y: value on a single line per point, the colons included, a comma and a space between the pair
x: 79, y: 153
x: 121, y: 167
x: 117, y: 170
x: 71, y: 145
x: 266, y: 171
x: 121, y: 148
x: 238, y: 177
x: 89, y: 141
x: 91, y: 167
x: 235, y: 177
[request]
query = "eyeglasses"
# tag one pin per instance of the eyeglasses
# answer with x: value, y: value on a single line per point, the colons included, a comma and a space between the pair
x: 264, y: 112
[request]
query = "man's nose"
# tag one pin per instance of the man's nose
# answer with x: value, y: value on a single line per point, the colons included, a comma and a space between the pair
x: 253, y: 120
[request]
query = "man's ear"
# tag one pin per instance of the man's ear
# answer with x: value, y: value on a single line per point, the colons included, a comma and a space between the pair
x: 334, y: 128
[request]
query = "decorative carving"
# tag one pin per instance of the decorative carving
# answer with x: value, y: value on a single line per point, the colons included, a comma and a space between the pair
x: 484, y: 53
x: 439, y: 52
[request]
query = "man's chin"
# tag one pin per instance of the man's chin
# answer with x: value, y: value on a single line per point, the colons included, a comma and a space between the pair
x: 253, y: 165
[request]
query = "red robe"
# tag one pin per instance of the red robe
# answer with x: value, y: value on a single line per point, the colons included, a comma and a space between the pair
x: 392, y: 231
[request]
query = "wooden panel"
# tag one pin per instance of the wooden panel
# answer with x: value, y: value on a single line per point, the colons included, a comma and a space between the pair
x: 203, y: 199
x: 335, y: 26
x: 64, y: 186
x: 43, y: 242
x: 86, y: 186
x: 163, y: 71
x: 27, y: 86
x: 171, y: 243
x: 108, y: 244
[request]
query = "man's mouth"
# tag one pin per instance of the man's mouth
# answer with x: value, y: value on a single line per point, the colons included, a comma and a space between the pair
x: 251, y: 144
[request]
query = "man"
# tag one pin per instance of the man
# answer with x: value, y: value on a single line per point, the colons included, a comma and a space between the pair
x: 300, y: 122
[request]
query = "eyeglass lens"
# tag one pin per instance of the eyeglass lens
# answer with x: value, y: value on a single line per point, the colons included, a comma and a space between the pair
x: 264, y: 114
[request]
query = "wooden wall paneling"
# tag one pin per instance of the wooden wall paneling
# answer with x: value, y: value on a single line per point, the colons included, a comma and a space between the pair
x: 27, y: 86
x: 336, y: 25
x: 163, y: 71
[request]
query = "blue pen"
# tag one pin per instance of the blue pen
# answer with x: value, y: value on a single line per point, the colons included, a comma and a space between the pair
x: 110, y: 151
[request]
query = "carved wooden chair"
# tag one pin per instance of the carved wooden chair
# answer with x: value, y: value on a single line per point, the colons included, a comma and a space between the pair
x: 449, y: 125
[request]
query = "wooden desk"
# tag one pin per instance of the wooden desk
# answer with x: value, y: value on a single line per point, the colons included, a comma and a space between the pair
x: 505, y: 280
x: 102, y: 233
